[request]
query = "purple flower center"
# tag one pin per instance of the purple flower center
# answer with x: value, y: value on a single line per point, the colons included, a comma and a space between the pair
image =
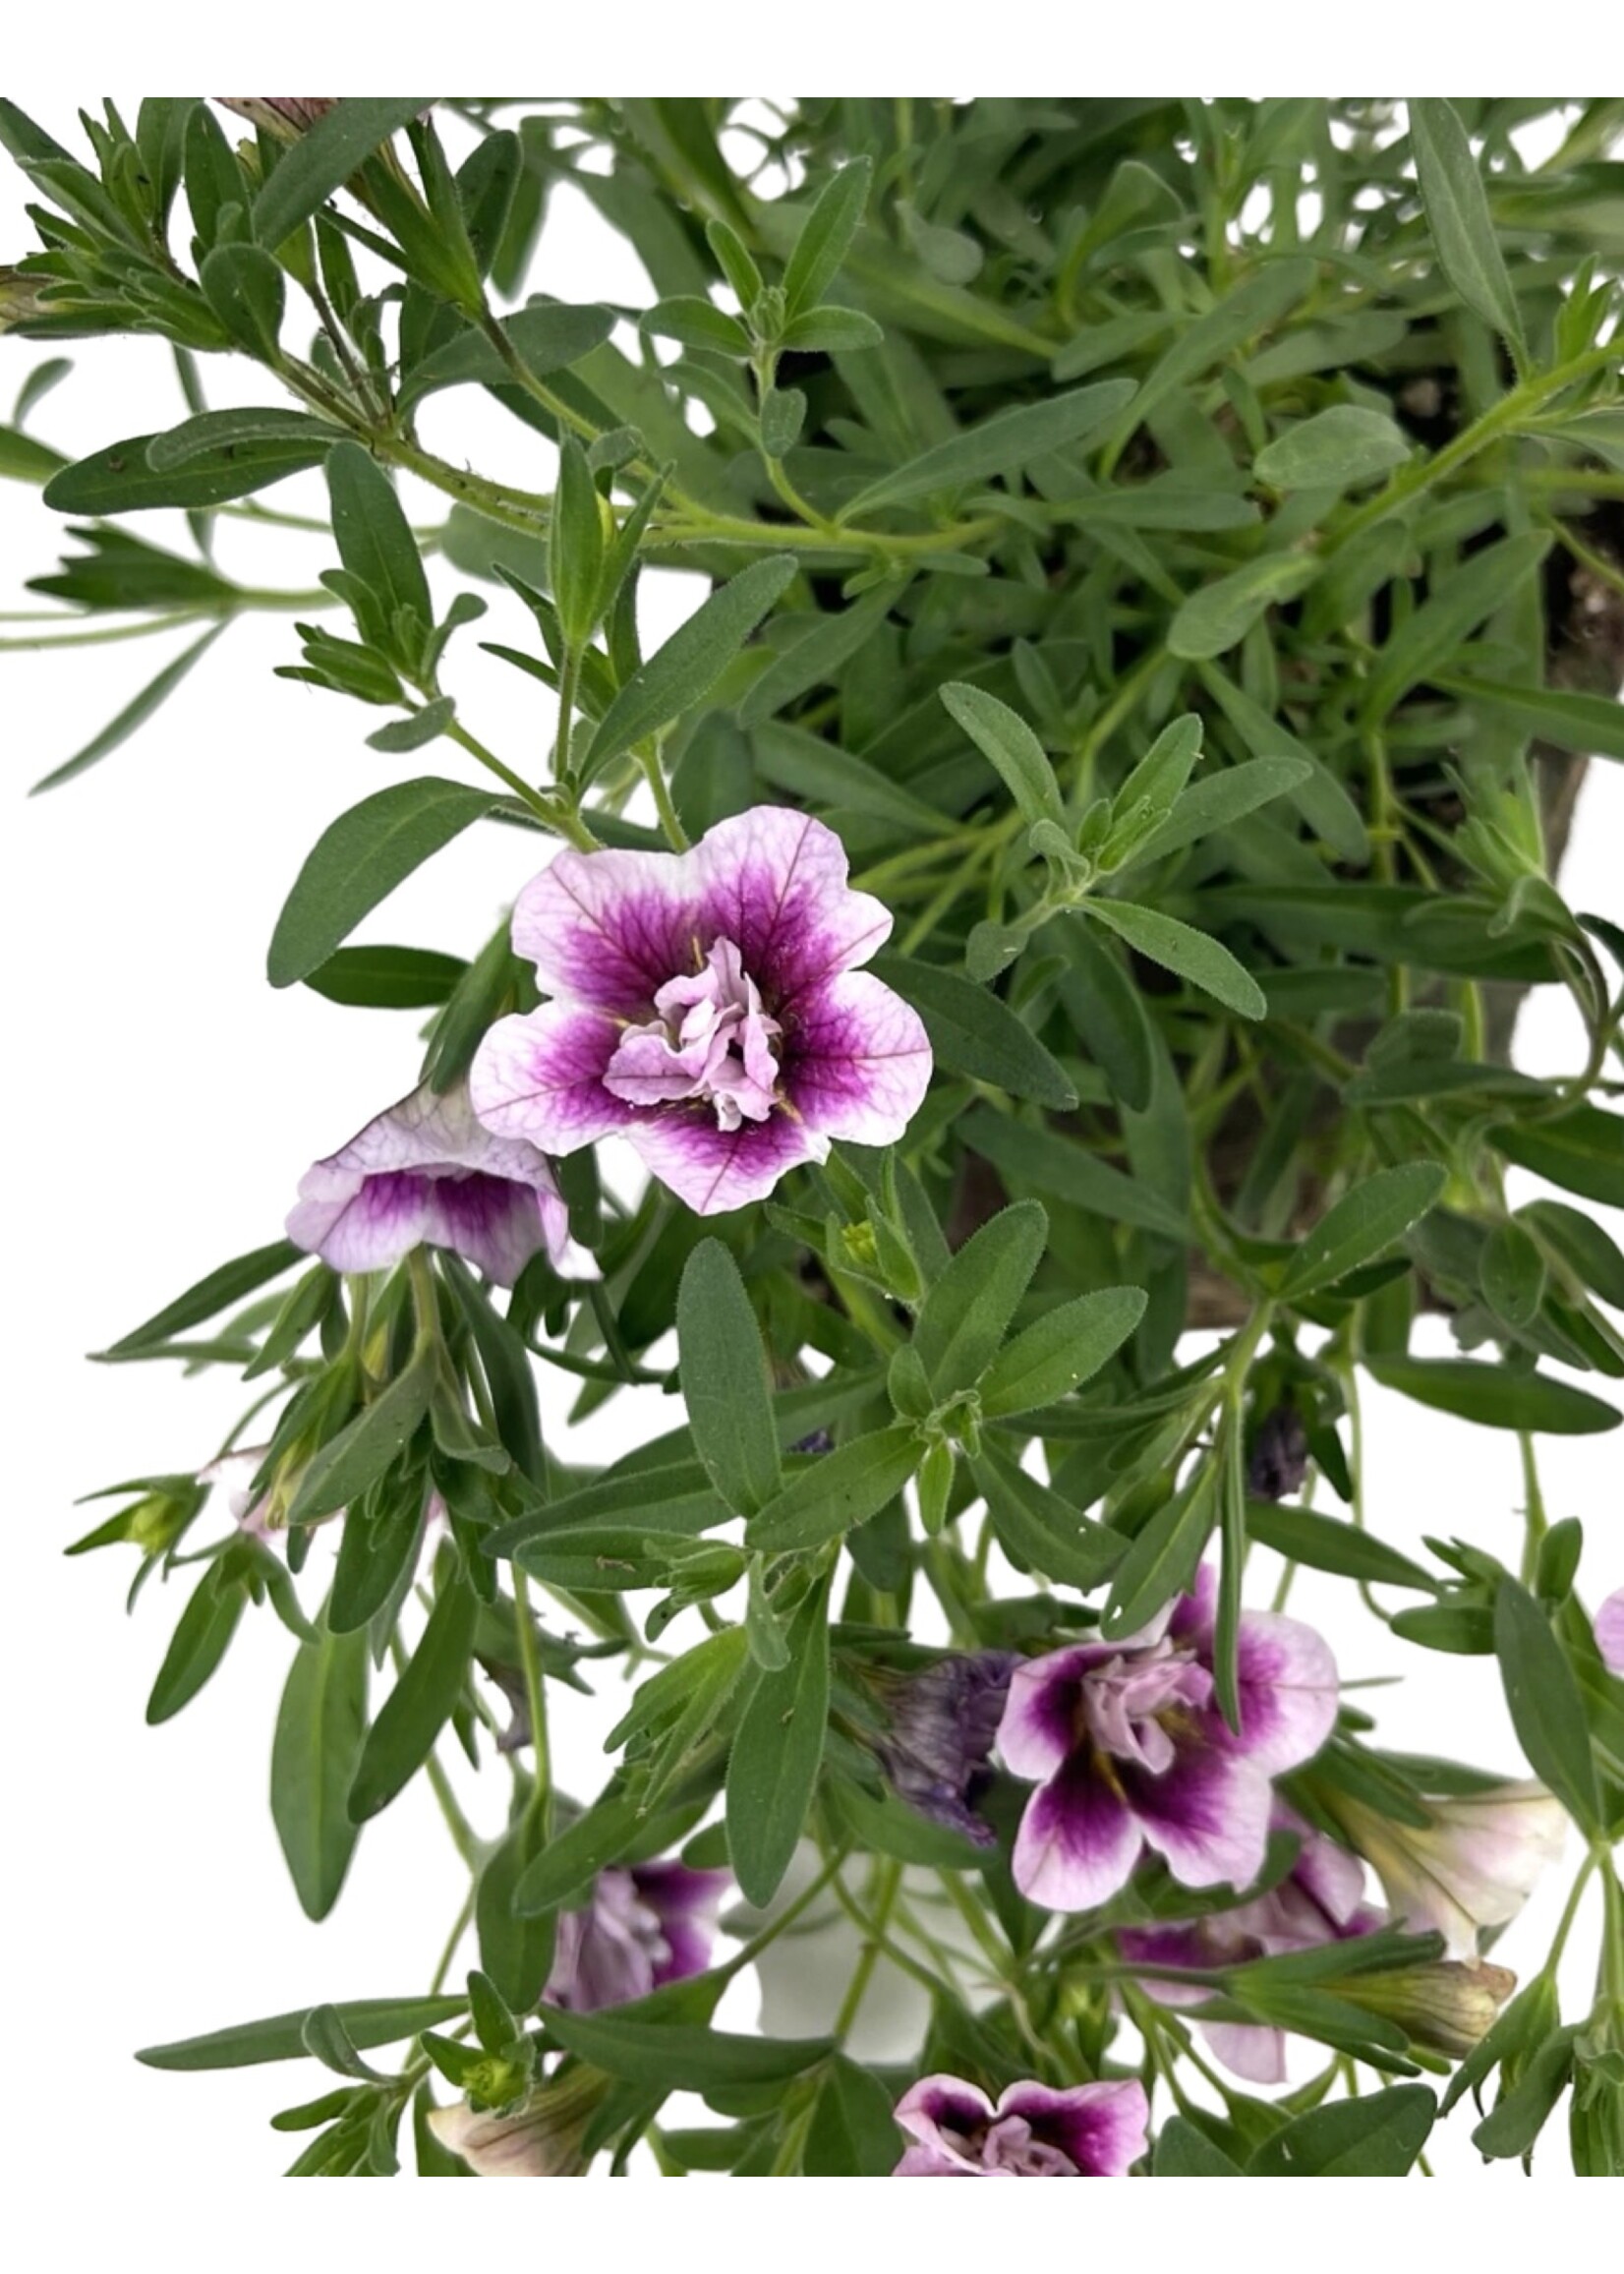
x: 1137, y: 1707
x: 1009, y: 2144
x: 711, y: 1039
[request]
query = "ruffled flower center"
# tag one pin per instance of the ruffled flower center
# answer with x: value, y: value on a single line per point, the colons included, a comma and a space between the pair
x: 1137, y: 1707
x: 1009, y: 2144
x: 710, y: 1040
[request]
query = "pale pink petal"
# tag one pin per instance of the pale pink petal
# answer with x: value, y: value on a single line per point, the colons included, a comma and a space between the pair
x: 1039, y: 1725
x: 1077, y: 1841
x: 1103, y: 2128
x: 1207, y: 1816
x: 1288, y: 1684
x: 859, y: 1060
x: 716, y: 1170
x: 937, y: 2113
x: 775, y: 882
x: 608, y: 928
x: 1248, y: 2050
x: 1609, y: 1632
x: 540, y: 1076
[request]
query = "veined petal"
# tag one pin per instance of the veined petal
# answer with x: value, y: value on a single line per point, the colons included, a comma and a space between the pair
x: 540, y: 1076
x: 775, y: 882
x: 715, y: 1169
x: 1207, y: 1816
x: 608, y: 928
x: 936, y: 2113
x: 1249, y: 2049
x: 356, y: 1221
x: 1288, y: 1684
x: 858, y: 1061
x: 1077, y: 1842
x: 1102, y: 2128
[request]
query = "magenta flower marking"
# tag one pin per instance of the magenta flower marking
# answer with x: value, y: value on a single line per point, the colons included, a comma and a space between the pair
x: 426, y: 1170
x: 1320, y: 1899
x: 1088, y: 2132
x: 1129, y: 1751
x: 645, y: 1926
x: 708, y: 1008
x: 1609, y: 1632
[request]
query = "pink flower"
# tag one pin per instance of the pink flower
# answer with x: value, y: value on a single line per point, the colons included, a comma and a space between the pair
x: 1473, y: 1866
x: 1131, y: 1751
x: 1609, y: 1632
x: 706, y: 1006
x: 645, y: 1926
x: 1087, y: 2131
x: 427, y: 1172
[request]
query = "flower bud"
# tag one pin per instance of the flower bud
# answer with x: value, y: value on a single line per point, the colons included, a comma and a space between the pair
x: 22, y: 300
x: 285, y: 116
x: 1446, y: 2008
x: 1472, y: 1867
x: 542, y: 2139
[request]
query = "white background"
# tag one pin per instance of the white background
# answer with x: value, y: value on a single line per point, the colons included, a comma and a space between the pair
x: 163, y: 1103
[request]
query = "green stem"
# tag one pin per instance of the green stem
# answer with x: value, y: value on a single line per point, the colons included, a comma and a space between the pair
x: 888, y: 1880
x: 1536, y: 1522
x: 458, y: 1930
x: 540, y: 1803
x: 677, y: 837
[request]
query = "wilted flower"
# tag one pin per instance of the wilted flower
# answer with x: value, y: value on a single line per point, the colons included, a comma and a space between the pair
x: 1086, y: 2132
x: 1132, y: 1750
x: 1473, y: 1866
x: 235, y: 1472
x: 937, y: 1750
x: 1279, y: 1459
x: 707, y: 1007
x: 539, y: 2139
x: 1320, y: 1899
x: 1609, y: 1632
x: 427, y: 1172
x: 286, y: 116
x: 647, y: 1925
x: 1447, y: 2008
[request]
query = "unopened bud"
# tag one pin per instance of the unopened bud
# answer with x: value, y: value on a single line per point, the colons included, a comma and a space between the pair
x: 1446, y: 2008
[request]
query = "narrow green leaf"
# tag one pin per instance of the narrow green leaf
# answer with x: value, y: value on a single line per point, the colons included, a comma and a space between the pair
x: 547, y: 336
x: 1163, y: 1559
x: 1362, y: 1225
x: 1546, y: 1708
x: 1058, y: 1166
x: 358, y: 861
x: 383, y: 978
x: 1496, y: 1397
x: 1580, y: 1244
x: 1106, y: 1008
x: 826, y: 236
x: 1322, y: 799
x: 1452, y: 612
x: 1220, y: 615
x: 419, y: 1706
x: 1064, y: 1347
x: 215, y: 431
x: 1330, y: 1543
x: 678, y: 2056
x: 515, y: 1952
x: 1376, y: 2136
x: 836, y: 1492
x: 1000, y: 445
x: 365, y: 1446
x: 725, y: 1381
x: 132, y: 717
x: 370, y: 2022
x: 1042, y: 1529
x: 244, y: 288
x: 320, y: 1727
x: 773, y: 1769
x: 1581, y: 1151
x: 217, y: 1291
x: 819, y: 657
x: 973, y: 1032
x: 117, y: 479
x: 1194, y: 956
x: 1184, y: 2152
x: 1592, y: 725
x: 822, y: 775
x: 373, y: 535
x: 683, y: 672
x: 1010, y: 746
x: 201, y: 1636
x: 1250, y: 307
x: 965, y: 1315
x: 853, y: 2133
x: 1457, y: 215
x: 1337, y: 449
x: 1219, y: 801
x: 322, y: 160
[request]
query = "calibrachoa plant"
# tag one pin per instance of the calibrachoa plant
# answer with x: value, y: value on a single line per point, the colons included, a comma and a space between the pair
x: 1069, y: 884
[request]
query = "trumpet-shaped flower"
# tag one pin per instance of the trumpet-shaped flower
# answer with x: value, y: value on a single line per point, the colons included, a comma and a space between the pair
x: 1129, y: 1750
x: 1472, y: 1867
x: 645, y: 1926
x: 427, y: 1172
x: 706, y: 1006
x: 1086, y: 2132
x: 543, y: 2137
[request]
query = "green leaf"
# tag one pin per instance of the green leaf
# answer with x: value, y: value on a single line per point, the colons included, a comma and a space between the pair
x: 821, y: 773
x: 1546, y: 1708
x: 1580, y: 1244
x: 373, y: 535
x: 773, y: 1768
x: 547, y: 336
x: 1184, y: 2152
x: 1453, y: 609
x: 417, y: 728
x: 1516, y: 2122
x: 217, y: 1291
x: 1377, y: 2136
x: 1000, y: 445
x: 1457, y: 211
x: 965, y: 1315
x: 132, y: 717
x: 379, y: 978
x: 1194, y: 956
x: 887, y: 1826
x: 1583, y: 1151
x: 1219, y: 801
x: 831, y: 331
x: 1220, y: 615
x: 1009, y: 747
x: 1330, y: 1543
x: 836, y: 1492
x: 853, y: 2133
x: 1362, y: 1225
x: 1041, y: 1529
x: 725, y: 1381
x: 1512, y: 1273
x: 576, y: 555
x: 320, y: 1727
x: 1337, y: 449
x: 322, y: 160
x: 358, y: 861
x: 683, y: 672
x: 515, y: 1952
x: 678, y: 2056
x: 1163, y: 1559
x: 1064, y: 1347
x: 1106, y: 1008
x: 219, y: 431
x: 370, y: 2022
x: 973, y: 1032
x: 819, y: 657
x: 696, y: 323
x: 1495, y: 1397
x: 419, y: 1706
x: 1592, y: 725
x: 244, y: 287
x: 1248, y: 308
x: 201, y: 1636
x: 1322, y: 799
x: 118, y: 480
x: 1066, y: 1171
x: 825, y: 237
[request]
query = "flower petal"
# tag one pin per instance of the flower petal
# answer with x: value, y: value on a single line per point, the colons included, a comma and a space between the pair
x: 1287, y: 1685
x: 858, y: 1060
x: 356, y: 1221
x: 716, y: 1169
x: 1077, y: 1842
x: 1249, y: 2050
x: 1207, y: 1815
x: 775, y: 882
x: 925, y: 2163
x: 935, y: 2112
x: 610, y: 928
x: 1102, y: 2128
x: 1609, y: 1632
x: 1038, y: 1728
x: 541, y: 1078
